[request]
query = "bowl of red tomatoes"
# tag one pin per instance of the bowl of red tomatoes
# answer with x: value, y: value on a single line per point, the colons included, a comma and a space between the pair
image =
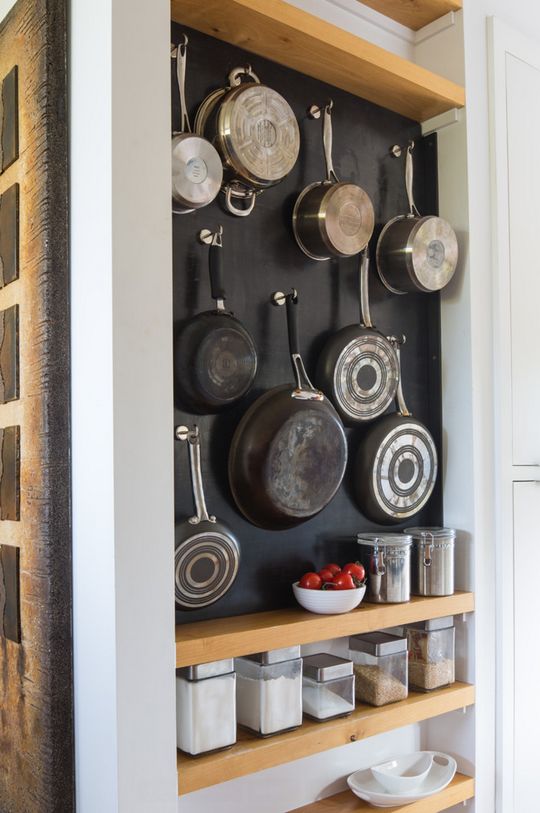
x: 331, y: 590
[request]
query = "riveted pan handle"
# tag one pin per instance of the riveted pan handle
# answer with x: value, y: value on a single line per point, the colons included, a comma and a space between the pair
x: 250, y: 195
x: 194, y: 444
x: 409, y: 180
x: 327, y: 143
x: 181, y: 61
x: 365, y: 312
x: 215, y: 264
x: 235, y: 76
x: 304, y: 388
x: 402, y: 406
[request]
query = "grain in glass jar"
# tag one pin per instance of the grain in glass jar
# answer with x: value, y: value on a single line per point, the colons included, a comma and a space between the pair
x: 431, y: 653
x: 380, y: 667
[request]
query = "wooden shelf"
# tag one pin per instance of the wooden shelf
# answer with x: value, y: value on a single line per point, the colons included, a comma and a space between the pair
x: 414, y: 14
x: 251, y: 754
x: 219, y: 638
x: 459, y: 790
x: 285, y: 34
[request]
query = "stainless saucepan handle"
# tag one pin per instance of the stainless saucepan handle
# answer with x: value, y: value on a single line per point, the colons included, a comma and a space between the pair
x: 402, y: 406
x: 194, y: 445
x: 327, y: 143
x: 235, y: 76
x: 251, y: 195
x: 181, y: 60
x: 365, y: 312
x: 409, y: 180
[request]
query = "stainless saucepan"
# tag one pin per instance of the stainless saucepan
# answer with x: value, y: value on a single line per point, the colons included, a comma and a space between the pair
x: 197, y: 173
x: 416, y: 253
x: 256, y: 134
x: 332, y: 218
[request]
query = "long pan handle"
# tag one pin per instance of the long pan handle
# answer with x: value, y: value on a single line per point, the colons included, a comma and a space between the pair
x: 215, y: 264
x: 409, y: 180
x: 304, y: 388
x: 194, y: 445
x: 328, y: 142
x: 365, y: 312
x: 402, y: 406
x: 181, y: 61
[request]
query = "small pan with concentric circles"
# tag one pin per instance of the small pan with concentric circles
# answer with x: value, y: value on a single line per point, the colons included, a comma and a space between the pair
x: 395, y: 469
x: 358, y: 367
x: 207, y: 554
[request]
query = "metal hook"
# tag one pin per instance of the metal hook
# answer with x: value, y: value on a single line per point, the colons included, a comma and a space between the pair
x: 181, y: 45
x: 396, y: 150
x: 211, y: 238
x: 315, y: 110
x: 279, y: 298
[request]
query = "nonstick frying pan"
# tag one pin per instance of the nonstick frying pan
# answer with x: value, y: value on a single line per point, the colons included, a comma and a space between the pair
x: 358, y: 367
x: 395, y: 469
x: 215, y: 357
x: 288, y: 453
x: 207, y: 555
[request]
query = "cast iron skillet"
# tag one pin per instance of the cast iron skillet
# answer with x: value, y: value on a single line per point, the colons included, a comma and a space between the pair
x: 215, y: 358
x: 288, y: 454
x: 358, y: 367
x: 395, y: 469
x: 207, y: 554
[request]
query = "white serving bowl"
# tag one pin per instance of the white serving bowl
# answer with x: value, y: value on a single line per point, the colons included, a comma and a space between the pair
x: 404, y: 773
x: 328, y: 602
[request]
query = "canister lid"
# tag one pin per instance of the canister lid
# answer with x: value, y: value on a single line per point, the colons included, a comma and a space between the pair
x: 201, y: 671
x: 323, y: 666
x: 385, y: 540
x: 288, y: 653
x: 431, y: 536
x: 433, y: 624
x: 377, y: 643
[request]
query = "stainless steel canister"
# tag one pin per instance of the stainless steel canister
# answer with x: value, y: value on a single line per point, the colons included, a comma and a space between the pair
x: 432, y: 561
x: 387, y: 560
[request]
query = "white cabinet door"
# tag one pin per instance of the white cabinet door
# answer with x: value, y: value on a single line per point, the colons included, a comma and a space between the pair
x: 523, y: 156
x: 526, y: 645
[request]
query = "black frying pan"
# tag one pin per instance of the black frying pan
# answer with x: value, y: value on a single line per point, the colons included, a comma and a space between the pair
x: 207, y: 554
x: 395, y: 469
x: 215, y: 358
x: 288, y: 454
x: 358, y: 367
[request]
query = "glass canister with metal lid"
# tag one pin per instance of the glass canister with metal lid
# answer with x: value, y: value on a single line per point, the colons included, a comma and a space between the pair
x: 327, y: 686
x: 206, y: 707
x: 380, y: 667
x: 387, y: 560
x: 432, y: 561
x: 431, y: 647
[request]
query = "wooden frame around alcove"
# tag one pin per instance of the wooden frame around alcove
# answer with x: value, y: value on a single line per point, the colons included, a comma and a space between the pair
x: 36, y: 675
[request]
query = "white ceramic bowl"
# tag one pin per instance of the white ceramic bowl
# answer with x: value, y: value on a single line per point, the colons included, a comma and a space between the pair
x: 328, y: 602
x: 404, y: 773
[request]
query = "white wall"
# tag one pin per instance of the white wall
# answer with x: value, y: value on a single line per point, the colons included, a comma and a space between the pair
x: 5, y: 6
x: 122, y: 400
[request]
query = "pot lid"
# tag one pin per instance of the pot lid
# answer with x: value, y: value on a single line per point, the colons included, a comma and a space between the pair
x: 385, y: 540
x: 346, y: 219
x: 432, y: 253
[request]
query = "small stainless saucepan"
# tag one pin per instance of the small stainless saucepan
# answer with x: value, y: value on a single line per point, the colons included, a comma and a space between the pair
x: 416, y: 253
x: 256, y: 134
x: 197, y: 173
x: 332, y: 218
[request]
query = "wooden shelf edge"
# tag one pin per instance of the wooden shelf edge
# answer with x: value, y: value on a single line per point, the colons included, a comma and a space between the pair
x: 460, y: 789
x: 252, y: 754
x: 414, y: 15
x: 219, y: 638
x: 275, y: 30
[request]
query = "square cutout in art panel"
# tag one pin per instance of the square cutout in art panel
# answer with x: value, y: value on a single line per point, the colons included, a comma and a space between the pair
x: 9, y: 119
x: 10, y: 473
x: 9, y: 354
x: 10, y: 604
x: 9, y: 235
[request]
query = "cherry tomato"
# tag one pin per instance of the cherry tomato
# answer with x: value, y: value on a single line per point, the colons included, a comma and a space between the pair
x: 343, y: 581
x: 310, y: 581
x: 356, y: 570
x: 334, y: 568
x: 326, y: 574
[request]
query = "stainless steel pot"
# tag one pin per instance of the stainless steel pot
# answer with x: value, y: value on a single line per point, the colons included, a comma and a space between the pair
x: 256, y: 134
x: 432, y: 561
x: 332, y: 218
x: 197, y: 173
x: 387, y: 560
x: 416, y: 253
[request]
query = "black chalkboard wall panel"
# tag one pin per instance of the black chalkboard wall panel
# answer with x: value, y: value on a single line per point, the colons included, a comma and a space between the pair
x: 261, y: 256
